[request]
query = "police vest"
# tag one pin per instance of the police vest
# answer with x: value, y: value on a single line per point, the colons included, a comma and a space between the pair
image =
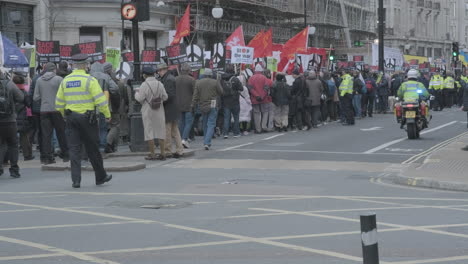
x: 346, y: 86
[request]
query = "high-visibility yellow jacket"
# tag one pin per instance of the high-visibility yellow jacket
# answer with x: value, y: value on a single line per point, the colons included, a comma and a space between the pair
x: 449, y: 83
x: 346, y: 86
x: 436, y: 82
x: 80, y: 92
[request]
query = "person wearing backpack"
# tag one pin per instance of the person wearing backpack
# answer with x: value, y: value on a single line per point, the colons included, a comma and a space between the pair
x: 151, y: 95
x: 359, y: 89
x: 369, y: 98
x: 107, y: 85
x: 115, y: 98
x: 10, y: 95
x: 231, y: 91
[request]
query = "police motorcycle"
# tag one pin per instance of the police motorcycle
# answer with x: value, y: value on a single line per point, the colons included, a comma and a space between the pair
x: 413, y: 115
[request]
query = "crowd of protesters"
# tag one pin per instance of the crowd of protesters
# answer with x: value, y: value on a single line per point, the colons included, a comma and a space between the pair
x: 176, y: 107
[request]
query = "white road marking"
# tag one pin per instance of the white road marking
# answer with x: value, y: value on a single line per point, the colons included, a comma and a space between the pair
x: 272, y: 137
x: 81, y: 256
x: 329, y: 234
x: 270, y: 243
x: 133, y: 250
x: 235, y: 147
x: 413, y: 228
x: 318, y: 151
x: 433, y: 149
x: 372, y: 129
x: 25, y: 257
x: 69, y: 225
x: 19, y: 210
x: 386, y: 145
x: 265, y: 200
x: 435, y: 260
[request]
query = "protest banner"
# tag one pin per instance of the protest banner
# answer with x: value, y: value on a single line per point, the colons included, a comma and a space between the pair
x: 48, y: 51
x: 195, y: 57
x: 128, y: 56
x: 113, y: 56
x: 93, y: 49
x: 66, y: 52
x: 176, y: 54
x: 150, y: 57
x: 244, y: 55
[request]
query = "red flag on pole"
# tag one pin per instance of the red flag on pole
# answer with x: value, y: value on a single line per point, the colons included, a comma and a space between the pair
x: 236, y: 39
x: 295, y: 45
x: 183, y: 28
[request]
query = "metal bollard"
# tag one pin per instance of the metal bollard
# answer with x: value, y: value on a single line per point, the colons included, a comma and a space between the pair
x: 370, y: 247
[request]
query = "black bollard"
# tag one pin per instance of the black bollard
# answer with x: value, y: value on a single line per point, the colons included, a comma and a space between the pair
x: 370, y: 247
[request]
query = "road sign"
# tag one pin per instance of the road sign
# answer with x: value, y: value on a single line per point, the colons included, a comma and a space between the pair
x: 129, y: 11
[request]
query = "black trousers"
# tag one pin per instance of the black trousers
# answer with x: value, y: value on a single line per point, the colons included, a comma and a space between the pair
x: 313, y: 115
x: 49, y: 122
x: 348, y: 109
x: 9, y: 144
x: 79, y: 131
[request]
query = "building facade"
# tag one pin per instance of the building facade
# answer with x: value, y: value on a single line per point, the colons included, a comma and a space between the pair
x: 76, y: 21
x: 426, y: 27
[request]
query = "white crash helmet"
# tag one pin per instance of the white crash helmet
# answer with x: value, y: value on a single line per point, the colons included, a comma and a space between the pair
x: 413, y: 74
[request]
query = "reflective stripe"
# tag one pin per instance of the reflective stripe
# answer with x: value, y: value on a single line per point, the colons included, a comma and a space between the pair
x: 88, y: 82
x: 83, y: 76
x: 98, y: 96
x: 80, y: 101
x: 59, y: 106
x: 60, y: 100
x: 75, y: 93
x: 101, y: 104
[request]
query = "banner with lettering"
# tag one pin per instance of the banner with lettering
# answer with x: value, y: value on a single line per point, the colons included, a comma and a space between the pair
x: 128, y: 56
x: 150, y: 57
x: 113, y: 57
x: 244, y: 55
x: 66, y: 52
x: 48, y: 51
x: 93, y: 49
x: 176, y: 54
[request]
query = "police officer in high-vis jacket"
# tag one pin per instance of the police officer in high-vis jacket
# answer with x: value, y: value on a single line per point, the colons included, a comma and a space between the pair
x: 78, y: 99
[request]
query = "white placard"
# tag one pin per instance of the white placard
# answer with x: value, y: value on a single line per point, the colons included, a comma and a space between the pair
x: 244, y: 55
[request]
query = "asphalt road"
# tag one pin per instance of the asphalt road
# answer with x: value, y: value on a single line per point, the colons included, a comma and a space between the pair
x: 271, y: 198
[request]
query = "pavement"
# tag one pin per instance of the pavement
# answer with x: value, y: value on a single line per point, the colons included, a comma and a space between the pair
x: 446, y: 168
x: 273, y: 198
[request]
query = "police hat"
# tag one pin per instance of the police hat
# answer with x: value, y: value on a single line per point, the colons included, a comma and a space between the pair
x: 80, y: 58
x: 148, y: 70
x: 162, y: 66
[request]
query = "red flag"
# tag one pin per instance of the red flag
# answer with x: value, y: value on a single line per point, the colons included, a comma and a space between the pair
x: 256, y: 43
x: 295, y: 45
x: 267, y: 41
x: 236, y: 39
x: 183, y: 28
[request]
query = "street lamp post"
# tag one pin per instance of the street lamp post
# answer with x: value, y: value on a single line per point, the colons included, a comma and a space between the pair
x: 217, y: 13
x: 381, y: 14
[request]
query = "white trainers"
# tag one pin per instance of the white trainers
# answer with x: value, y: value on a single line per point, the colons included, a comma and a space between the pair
x: 207, y: 147
x: 185, y: 144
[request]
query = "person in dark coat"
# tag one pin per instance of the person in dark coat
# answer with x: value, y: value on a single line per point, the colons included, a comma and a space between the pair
x: 23, y: 119
x: 171, y: 112
x: 382, y: 93
x: 63, y: 70
x: 8, y: 129
x: 231, y: 91
x: 296, y: 105
x: 280, y: 94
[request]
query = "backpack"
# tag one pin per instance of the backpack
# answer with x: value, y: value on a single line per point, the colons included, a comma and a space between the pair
x: 331, y: 88
x: 227, y: 87
x: 5, y: 100
x: 155, y: 102
x: 369, y: 86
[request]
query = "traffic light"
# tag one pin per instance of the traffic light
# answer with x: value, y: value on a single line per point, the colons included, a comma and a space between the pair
x: 358, y: 43
x: 455, y: 51
x: 332, y: 55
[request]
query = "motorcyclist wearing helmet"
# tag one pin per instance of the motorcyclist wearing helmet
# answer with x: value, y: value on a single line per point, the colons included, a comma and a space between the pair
x: 412, y: 91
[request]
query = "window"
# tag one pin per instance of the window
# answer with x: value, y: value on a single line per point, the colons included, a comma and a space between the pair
x: 16, y: 22
x: 90, y: 34
x: 437, y: 52
x: 420, y: 51
x: 151, y: 40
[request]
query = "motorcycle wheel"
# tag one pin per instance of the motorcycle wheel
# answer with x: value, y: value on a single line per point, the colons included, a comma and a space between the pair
x: 412, y: 131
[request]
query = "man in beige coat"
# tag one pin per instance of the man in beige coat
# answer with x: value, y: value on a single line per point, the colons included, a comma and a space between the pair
x: 154, y: 121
